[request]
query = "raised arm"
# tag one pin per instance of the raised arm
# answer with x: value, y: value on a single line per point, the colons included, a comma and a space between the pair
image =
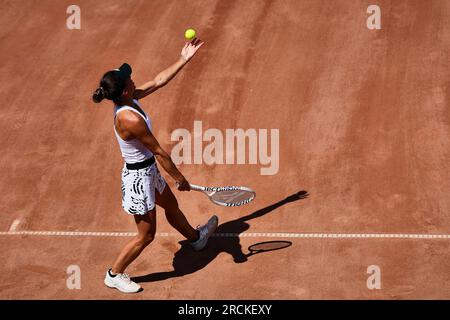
x: 136, y: 127
x: 166, y: 75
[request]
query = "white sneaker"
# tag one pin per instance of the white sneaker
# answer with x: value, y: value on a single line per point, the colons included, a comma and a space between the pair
x: 205, y: 232
x: 122, y: 282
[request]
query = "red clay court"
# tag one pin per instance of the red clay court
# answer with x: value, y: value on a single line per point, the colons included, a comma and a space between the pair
x: 364, y: 128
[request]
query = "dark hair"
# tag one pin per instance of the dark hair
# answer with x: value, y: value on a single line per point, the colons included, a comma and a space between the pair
x: 111, y: 87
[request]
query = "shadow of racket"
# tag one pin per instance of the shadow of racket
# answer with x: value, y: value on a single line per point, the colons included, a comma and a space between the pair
x: 267, y: 246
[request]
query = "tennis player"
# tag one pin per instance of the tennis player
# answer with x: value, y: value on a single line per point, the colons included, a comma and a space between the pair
x: 142, y: 185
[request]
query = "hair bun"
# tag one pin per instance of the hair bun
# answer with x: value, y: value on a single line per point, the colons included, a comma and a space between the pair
x: 98, y: 95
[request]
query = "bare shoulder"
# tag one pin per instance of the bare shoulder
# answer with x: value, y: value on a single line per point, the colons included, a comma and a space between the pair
x: 129, y: 119
x: 131, y: 125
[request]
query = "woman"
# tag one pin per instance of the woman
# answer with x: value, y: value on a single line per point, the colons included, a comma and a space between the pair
x: 142, y: 185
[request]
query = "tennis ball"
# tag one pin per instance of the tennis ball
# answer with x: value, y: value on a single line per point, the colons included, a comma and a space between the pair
x: 189, y: 34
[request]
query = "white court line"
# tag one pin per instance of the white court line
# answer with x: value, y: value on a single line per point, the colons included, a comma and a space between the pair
x: 14, y: 225
x: 235, y: 235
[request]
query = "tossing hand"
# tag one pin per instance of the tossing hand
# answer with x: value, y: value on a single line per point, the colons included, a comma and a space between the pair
x: 190, y: 48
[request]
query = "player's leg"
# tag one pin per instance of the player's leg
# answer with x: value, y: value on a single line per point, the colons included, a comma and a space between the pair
x: 198, y: 237
x: 174, y: 215
x: 146, y: 225
x: 116, y: 277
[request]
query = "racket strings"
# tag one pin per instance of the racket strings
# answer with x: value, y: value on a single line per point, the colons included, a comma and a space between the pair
x: 232, y: 196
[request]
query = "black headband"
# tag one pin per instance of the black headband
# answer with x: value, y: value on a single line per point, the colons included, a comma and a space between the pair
x: 124, y: 71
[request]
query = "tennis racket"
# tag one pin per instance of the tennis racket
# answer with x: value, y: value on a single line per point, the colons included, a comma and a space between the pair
x: 227, y: 196
x: 267, y: 246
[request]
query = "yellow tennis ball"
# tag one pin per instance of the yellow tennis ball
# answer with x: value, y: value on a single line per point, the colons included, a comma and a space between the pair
x: 189, y: 34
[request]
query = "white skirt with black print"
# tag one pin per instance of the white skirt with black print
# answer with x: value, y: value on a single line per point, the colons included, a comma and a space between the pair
x: 138, y: 189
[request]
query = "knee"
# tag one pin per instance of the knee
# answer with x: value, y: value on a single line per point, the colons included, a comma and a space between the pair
x: 145, y: 240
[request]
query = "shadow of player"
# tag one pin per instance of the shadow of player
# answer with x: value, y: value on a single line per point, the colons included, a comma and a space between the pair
x: 187, y: 261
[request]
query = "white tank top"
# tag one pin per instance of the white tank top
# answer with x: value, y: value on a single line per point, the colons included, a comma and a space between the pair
x: 133, y: 150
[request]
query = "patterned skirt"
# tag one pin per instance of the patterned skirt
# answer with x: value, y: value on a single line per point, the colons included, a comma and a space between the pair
x: 138, y: 189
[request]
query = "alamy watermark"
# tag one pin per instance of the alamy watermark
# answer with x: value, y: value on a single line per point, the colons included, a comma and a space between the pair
x: 234, y: 146
x: 374, y: 20
x: 74, y: 279
x: 374, y: 281
x: 74, y: 20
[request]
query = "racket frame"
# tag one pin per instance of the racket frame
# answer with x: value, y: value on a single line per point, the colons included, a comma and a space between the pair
x: 209, y: 191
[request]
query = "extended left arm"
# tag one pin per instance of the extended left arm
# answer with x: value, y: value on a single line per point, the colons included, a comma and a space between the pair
x: 165, y: 76
x: 160, y: 80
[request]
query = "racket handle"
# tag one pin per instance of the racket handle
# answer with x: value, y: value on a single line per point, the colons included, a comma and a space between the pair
x: 193, y: 187
x: 196, y: 187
